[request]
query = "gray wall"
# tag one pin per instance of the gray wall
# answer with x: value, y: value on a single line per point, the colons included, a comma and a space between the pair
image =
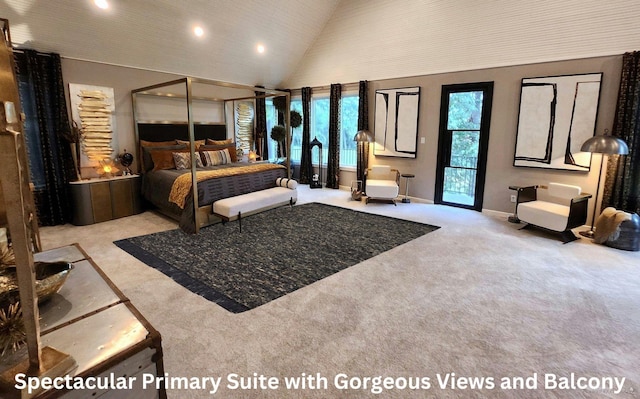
x: 122, y: 80
x: 504, y: 119
x: 506, y: 96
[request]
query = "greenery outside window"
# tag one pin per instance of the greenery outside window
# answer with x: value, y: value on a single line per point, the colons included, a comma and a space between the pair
x: 320, y: 128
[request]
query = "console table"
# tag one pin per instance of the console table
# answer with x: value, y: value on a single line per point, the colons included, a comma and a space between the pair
x: 91, y: 320
x: 99, y: 200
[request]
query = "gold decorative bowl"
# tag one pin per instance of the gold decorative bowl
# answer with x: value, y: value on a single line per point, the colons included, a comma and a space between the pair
x: 50, y: 276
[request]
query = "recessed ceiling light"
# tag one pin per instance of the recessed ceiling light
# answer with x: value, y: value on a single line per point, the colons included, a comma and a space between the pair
x: 198, y: 31
x: 103, y: 4
x: 260, y: 48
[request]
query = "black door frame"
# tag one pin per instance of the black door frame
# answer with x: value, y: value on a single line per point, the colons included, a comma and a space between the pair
x: 444, y: 141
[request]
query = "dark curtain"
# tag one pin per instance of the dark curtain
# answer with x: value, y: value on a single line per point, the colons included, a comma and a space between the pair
x: 333, y: 161
x: 261, y: 126
x: 622, y: 188
x: 47, y: 131
x: 363, y: 124
x: 305, y: 157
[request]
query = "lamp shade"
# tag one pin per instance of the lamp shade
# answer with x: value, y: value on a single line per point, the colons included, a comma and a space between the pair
x: 363, y: 136
x: 605, y: 145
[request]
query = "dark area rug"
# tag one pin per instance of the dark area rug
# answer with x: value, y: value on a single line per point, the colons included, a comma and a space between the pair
x: 278, y: 251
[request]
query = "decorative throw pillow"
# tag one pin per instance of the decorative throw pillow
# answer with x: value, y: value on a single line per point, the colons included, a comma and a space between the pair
x: 230, y: 147
x: 162, y: 159
x: 219, y: 142
x: 183, y: 160
x: 188, y: 143
x: 220, y: 157
x: 147, y: 160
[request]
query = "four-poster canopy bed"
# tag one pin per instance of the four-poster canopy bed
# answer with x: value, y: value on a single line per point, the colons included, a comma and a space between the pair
x: 168, y: 180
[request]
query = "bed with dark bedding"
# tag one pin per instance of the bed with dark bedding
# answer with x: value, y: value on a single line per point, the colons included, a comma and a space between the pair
x: 227, y: 181
x: 168, y: 148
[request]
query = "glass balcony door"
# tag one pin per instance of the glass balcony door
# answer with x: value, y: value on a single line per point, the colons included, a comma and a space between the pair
x: 462, y: 144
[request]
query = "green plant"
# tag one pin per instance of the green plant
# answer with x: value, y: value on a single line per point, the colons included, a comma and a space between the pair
x: 278, y: 133
x: 295, y: 119
x: 280, y: 103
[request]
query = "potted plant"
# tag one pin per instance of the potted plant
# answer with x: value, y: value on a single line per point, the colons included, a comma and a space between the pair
x: 279, y: 134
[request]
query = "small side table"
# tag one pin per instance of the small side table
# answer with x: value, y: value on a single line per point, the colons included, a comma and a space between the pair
x: 514, y: 218
x: 407, y: 176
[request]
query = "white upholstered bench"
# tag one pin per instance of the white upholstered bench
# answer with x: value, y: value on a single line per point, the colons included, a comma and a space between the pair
x: 233, y: 208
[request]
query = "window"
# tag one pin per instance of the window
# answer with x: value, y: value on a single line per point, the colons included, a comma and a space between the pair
x: 320, y: 128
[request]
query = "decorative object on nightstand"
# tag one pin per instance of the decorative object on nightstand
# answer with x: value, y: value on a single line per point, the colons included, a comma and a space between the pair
x: 316, y: 178
x: 605, y: 145
x: 107, y: 168
x: 126, y: 159
x: 406, y: 176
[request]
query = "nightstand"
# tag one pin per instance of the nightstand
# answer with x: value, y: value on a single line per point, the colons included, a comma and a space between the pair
x: 99, y: 200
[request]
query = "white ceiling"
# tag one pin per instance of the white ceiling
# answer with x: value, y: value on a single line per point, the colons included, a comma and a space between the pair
x: 317, y: 42
x: 157, y: 34
x: 380, y: 39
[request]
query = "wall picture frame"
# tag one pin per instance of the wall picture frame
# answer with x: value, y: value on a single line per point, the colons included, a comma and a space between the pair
x: 557, y: 114
x: 396, y: 122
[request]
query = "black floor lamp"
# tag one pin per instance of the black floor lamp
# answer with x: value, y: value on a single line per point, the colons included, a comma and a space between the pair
x: 605, y: 145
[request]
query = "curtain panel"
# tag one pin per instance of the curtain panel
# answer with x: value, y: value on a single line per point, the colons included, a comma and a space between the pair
x: 47, y: 133
x: 333, y: 161
x: 363, y: 124
x: 622, y: 188
x: 305, y: 157
x: 260, y: 135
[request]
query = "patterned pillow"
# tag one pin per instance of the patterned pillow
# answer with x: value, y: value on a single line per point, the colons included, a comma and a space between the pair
x: 220, y: 157
x: 230, y: 147
x: 183, y: 160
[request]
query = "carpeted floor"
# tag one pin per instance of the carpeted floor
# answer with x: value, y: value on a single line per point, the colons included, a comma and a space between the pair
x: 477, y: 297
x: 277, y: 252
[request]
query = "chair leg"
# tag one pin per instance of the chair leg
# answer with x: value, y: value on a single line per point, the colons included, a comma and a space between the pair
x: 568, y: 236
x: 240, y: 220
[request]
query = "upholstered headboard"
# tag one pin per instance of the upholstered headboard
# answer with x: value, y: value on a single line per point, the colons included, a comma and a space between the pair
x: 165, y: 131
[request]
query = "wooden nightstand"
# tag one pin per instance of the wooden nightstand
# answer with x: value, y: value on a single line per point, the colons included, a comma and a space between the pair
x: 99, y: 200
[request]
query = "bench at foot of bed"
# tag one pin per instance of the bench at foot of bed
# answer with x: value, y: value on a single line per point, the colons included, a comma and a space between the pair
x: 242, y: 205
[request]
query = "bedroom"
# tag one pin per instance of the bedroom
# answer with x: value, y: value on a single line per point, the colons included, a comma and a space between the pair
x: 253, y: 347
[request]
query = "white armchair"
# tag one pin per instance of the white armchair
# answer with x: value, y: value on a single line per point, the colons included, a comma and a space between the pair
x: 565, y: 209
x: 382, y: 183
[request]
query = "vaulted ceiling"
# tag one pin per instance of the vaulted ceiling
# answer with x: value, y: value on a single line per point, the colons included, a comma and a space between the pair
x: 158, y: 34
x: 316, y: 42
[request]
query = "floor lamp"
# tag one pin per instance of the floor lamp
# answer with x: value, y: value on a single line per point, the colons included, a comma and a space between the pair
x: 605, y: 145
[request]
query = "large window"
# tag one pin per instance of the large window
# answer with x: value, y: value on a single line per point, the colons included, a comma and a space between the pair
x: 320, y: 128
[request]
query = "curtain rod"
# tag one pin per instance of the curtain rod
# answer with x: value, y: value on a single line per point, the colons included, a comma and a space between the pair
x: 22, y: 50
x: 328, y: 87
